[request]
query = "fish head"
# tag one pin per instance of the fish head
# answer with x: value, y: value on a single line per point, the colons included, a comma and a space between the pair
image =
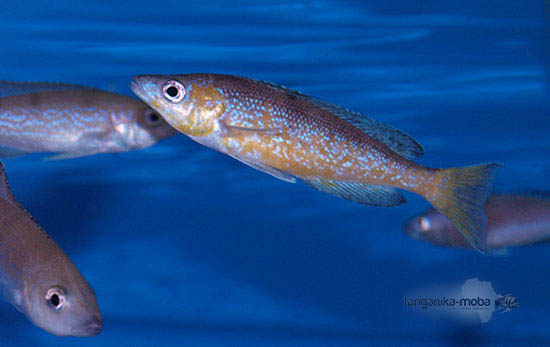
x: 190, y: 103
x: 513, y: 303
x: 59, y: 300
x: 433, y: 227
x: 141, y: 128
x: 430, y: 226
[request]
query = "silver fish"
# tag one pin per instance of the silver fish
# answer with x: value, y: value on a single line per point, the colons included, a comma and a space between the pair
x: 74, y: 121
x: 38, y: 278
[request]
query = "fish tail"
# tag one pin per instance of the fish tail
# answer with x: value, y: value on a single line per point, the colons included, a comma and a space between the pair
x: 460, y: 198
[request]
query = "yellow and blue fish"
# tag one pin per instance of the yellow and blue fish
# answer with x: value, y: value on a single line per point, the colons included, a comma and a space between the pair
x: 290, y: 135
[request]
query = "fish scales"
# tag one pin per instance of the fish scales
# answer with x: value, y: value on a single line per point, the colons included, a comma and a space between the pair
x: 316, y: 142
x: 62, y: 117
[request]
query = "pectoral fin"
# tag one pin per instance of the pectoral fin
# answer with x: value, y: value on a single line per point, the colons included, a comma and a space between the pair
x: 367, y: 194
x: 267, y: 169
x: 87, y: 142
x: 99, y: 136
x: 236, y: 131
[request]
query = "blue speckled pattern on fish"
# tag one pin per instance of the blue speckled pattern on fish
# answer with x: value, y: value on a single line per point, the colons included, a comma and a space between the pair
x: 288, y: 134
x: 73, y: 121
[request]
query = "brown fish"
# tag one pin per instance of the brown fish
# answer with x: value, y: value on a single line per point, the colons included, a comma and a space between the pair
x: 38, y: 278
x: 290, y: 135
x: 513, y: 220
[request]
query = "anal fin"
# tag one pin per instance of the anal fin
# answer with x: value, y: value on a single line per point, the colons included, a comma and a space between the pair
x: 368, y: 194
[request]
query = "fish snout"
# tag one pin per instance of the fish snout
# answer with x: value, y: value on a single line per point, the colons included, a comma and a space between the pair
x: 146, y: 87
x: 135, y: 86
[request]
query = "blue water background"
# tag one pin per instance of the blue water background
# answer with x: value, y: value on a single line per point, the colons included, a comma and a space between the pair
x: 185, y: 246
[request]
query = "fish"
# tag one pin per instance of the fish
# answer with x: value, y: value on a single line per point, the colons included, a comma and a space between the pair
x: 38, y: 278
x: 292, y: 136
x: 73, y: 121
x: 514, y: 219
x: 506, y: 303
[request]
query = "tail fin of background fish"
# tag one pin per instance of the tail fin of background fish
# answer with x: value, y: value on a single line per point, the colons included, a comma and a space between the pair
x: 461, y: 198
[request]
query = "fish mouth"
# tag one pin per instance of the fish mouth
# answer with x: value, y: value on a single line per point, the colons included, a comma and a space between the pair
x: 410, y: 230
x: 93, y: 326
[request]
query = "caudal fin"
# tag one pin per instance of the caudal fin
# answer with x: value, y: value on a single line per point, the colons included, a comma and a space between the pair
x: 461, y: 197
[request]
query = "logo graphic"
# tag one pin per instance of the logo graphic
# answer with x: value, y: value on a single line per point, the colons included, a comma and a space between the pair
x: 475, y: 300
x: 506, y: 303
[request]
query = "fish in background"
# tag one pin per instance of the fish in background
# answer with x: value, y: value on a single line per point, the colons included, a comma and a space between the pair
x: 74, y: 121
x: 38, y: 278
x: 290, y: 135
x: 513, y: 220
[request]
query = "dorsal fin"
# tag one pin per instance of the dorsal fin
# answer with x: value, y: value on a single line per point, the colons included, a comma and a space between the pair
x: 5, y: 192
x: 8, y: 88
x: 396, y: 140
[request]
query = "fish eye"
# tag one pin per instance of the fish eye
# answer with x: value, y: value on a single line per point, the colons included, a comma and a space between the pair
x: 55, y: 298
x: 424, y: 224
x: 152, y: 118
x: 173, y: 91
